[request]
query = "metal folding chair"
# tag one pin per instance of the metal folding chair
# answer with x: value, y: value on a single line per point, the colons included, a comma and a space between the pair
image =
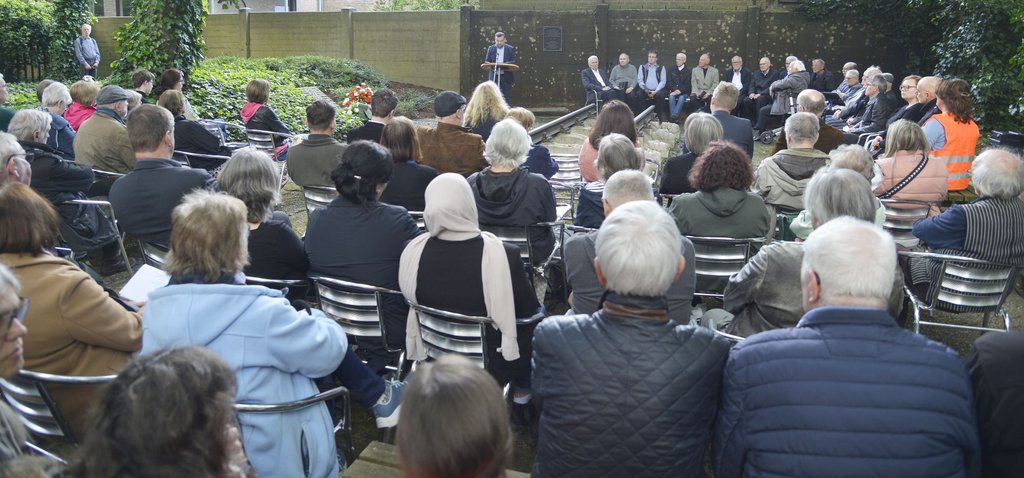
x: 153, y: 254
x: 718, y: 258
x: 964, y: 285
x: 447, y: 332
x: 357, y: 308
x: 188, y: 157
x: 283, y: 285
x: 733, y: 339
x: 28, y: 394
x: 317, y: 197
x: 343, y: 415
x: 900, y: 216
x: 418, y: 217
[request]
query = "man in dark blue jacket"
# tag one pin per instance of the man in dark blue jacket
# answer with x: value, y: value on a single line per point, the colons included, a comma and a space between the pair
x: 847, y: 393
x: 626, y: 391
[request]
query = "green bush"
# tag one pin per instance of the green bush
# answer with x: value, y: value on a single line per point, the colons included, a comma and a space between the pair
x: 216, y: 88
x: 21, y: 95
x: 27, y: 28
x: 162, y: 34
x: 68, y: 16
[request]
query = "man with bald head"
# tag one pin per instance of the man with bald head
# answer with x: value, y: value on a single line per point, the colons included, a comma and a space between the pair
x: 926, y: 98
x: 704, y: 79
x: 829, y: 138
x: 596, y: 83
x: 757, y: 96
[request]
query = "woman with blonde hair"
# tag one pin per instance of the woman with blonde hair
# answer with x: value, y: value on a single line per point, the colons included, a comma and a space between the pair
x: 83, y: 102
x: 909, y: 172
x: 485, y: 109
x: 454, y: 424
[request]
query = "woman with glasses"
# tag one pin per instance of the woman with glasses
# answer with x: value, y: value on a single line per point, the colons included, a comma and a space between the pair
x: 913, y: 110
x: 78, y: 329
x: 174, y: 79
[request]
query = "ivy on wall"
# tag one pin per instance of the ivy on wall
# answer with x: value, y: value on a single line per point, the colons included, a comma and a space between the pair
x: 68, y: 17
x: 27, y: 28
x: 162, y: 34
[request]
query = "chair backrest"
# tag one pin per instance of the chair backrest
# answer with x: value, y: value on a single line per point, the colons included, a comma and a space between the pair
x: 733, y: 339
x: 447, y: 332
x: 343, y: 418
x: 28, y: 394
x: 718, y: 258
x: 515, y: 235
x: 215, y: 129
x: 970, y: 285
x: 356, y: 307
x: 318, y: 196
x: 568, y: 170
x: 262, y: 141
x: 418, y: 217
x: 153, y: 254
x: 279, y: 284
x: 652, y: 169
x: 900, y: 217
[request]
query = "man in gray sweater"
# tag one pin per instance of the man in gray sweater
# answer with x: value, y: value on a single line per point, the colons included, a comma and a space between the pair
x: 87, y: 52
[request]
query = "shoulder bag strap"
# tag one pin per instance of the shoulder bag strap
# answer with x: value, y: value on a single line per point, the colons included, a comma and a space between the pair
x: 910, y: 177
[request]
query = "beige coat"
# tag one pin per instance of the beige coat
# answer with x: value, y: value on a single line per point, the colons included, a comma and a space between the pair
x: 929, y: 185
x: 102, y: 142
x: 74, y: 328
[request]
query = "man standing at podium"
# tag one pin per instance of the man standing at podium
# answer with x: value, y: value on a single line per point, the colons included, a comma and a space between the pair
x: 501, y: 52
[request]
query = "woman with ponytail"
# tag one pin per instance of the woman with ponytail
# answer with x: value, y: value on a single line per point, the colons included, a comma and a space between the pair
x: 357, y: 238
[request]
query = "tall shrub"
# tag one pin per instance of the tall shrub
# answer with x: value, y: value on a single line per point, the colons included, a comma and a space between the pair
x: 25, y: 32
x: 68, y: 17
x: 162, y: 34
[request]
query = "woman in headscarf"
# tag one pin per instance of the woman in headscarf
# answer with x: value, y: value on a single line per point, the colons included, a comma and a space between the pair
x: 458, y: 268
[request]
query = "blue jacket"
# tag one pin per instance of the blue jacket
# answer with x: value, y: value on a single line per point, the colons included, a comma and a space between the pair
x: 847, y: 393
x: 275, y: 352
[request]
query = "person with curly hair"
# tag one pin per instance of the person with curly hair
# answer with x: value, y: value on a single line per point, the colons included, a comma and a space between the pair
x: 167, y: 414
x: 485, y: 109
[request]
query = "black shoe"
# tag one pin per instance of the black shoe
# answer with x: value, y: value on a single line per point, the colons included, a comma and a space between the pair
x: 111, y: 266
x: 523, y: 415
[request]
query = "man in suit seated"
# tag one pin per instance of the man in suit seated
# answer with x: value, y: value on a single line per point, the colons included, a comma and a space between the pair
x: 739, y: 76
x: 703, y: 81
x: 382, y: 109
x: 735, y: 129
x: 144, y: 198
x: 679, y: 87
x: 596, y: 83
x: 821, y: 79
x: 757, y: 96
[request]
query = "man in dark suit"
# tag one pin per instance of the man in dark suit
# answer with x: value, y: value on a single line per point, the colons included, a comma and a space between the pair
x: 757, y: 96
x: 144, y: 198
x: 679, y: 87
x: 734, y: 128
x: 501, y: 52
x: 382, y: 109
x: 741, y: 77
x: 821, y: 79
x: 596, y: 83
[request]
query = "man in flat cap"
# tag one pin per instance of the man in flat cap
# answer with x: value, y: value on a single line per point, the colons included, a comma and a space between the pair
x: 102, y: 140
x: 449, y: 147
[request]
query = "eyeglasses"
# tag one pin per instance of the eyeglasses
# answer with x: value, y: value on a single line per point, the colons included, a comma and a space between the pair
x: 907, y: 87
x: 15, y: 315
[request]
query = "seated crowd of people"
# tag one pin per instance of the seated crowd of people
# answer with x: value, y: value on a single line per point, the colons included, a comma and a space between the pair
x: 637, y: 378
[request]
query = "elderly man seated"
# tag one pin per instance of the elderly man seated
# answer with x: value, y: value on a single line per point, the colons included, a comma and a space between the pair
x: 878, y: 110
x: 621, y: 188
x: 449, y: 147
x: 596, y: 83
x: 847, y: 392
x: 764, y: 295
x: 829, y: 138
x: 781, y: 179
x: 987, y: 228
x: 627, y: 391
x: 13, y: 166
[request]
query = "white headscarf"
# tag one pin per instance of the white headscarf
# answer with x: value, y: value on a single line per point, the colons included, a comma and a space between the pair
x: 451, y: 215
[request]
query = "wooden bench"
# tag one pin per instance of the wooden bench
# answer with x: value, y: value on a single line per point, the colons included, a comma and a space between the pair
x: 380, y: 460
